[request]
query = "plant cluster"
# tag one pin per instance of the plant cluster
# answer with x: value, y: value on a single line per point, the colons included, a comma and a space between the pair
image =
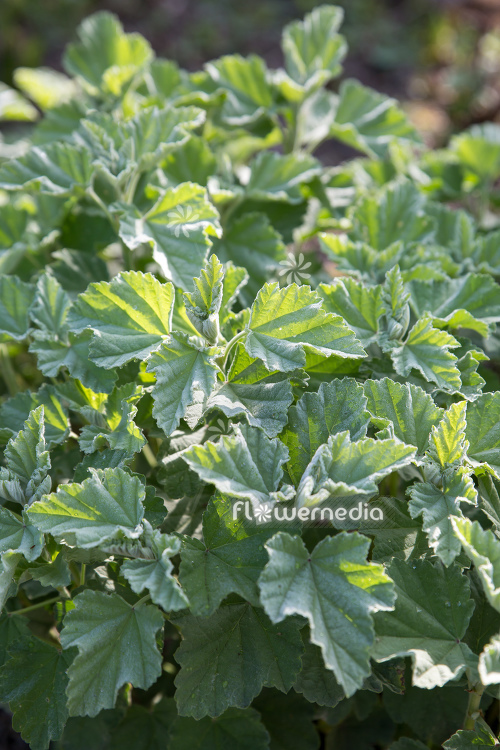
x: 195, y: 312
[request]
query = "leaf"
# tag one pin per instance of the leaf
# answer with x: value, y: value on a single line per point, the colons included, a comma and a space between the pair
x: 312, y: 48
x: 56, y: 169
x: 360, y: 306
x: 116, y: 644
x: 397, y: 213
x: 437, y: 505
x: 481, y: 736
x: 8, y: 564
x: 33, y: 681
x: 489, y: 663
x: 247, y: 465
x: 13, y: 106
x: 15, y: 300
x: 403, y: 411
x: 27, y: 462
x: 185, y: 373
x: 119, y: 431
x: 16, y: 535
x: 337, y: 406
x: 193, y: 161
x: 12, y: 629
x: 467, y: 302
x: 286, y: 323
x: 228, y: 657
x: 341, y: 468
x: 478, y: 148
x: 93, y: 512
x: 15, y: 411
x: 398, y: 535
x: 277, y: 177
x: 105, y: 59
x: 46, y: 87
x: 262, y: 397
x: 178, y: 228
x: 336, y: 590
x: 432, y: 612
x: 51, y: 306
x: 483, y: 431
x: 130, y: 316
x: 236, y: 729
x: 483, y: 548
x: 244, y: 81
x: 156, y: 575
x: 369, y: 121
x: 228, y: 560
x: 253, y: 243
x: 427, y: 350
x: 447, y: 444
x: 203, y: 305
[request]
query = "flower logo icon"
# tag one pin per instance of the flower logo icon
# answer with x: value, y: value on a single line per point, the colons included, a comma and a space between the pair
x: 180, y: 219
x: 262, y: 513
x: 221, y: 427
x: 294, y: 269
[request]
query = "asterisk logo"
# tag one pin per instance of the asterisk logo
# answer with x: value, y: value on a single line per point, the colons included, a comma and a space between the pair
x: 262, y: 513
x: 221, y: 427
x: 294, y: 268
x: 181, y: 217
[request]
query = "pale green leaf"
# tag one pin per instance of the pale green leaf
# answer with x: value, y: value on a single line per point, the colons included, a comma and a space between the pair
x: 480, y: 737
x: 106, y: 59
x: 178, y: 228
x: 337, y: 406
x: 15, y: 411
x: 27, y: 461
x: 130, y: 316
x: 447, y: 443
x: 483, y: 431
x: 17, y: 535
x: 247, y: 465
x: 286, y: 323
x: 361, y: 306
x: 336, y: 589
x: 228, y: 560
x: 93, y: 512
x: 228, y: 657
x: 276, y: 177
x: 244, y: 80
x: 116, y: 644
x: 119, y: 431
x: 432, y: 612
x: 33, y: 682
x: 478, y: 148
x: 185, y: 376
x: 313, y: 49
x: 341, y: 468
x: 13, y: 106
x: 56, y: 169
x: 426, y: 349
x: 483, y: 548
x: 403, y: 411
x: 204, y: 303
x: 489, y: 662
x: 50, y: 306
x: 46, y: 87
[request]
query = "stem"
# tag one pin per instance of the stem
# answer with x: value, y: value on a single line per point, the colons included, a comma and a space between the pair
x: 142, y: 601
x: 112, y: 219
x: 131, y: 188
x: 231, y: 209
x: 8, y: 373
x: 149, y: 456
x: 35, y: 606
x: 230, y: 346
x: 473, y: 712
x: 82, y: 574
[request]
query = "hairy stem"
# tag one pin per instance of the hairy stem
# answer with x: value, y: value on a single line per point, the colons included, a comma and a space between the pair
x: 475, y: 695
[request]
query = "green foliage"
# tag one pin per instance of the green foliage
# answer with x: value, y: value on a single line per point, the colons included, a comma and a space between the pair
x: 245, y: 501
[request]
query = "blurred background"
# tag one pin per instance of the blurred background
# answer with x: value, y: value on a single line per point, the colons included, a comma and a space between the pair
x: 441, y: 57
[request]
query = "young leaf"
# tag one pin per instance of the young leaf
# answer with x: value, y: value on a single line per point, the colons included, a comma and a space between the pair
x: 116, y: 644
x: 229, y: 560
x: 56, y: 169
x: 15, y: 411
x: 337, y: 406
x: 130, y: 316
x: 93, y: 512
x: 33, y: 681
x: 337, y: 590
x: 432, y: 612
x: 286, y: 323
x: 360, y: 306
x: 203, y: 305
x: 276, y: 177
x: 447, y: 443
x: 244, y: 80
x: 27, y: 461
x: 186, y: 373
x: 228, y: 657
x: 119, y: 431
